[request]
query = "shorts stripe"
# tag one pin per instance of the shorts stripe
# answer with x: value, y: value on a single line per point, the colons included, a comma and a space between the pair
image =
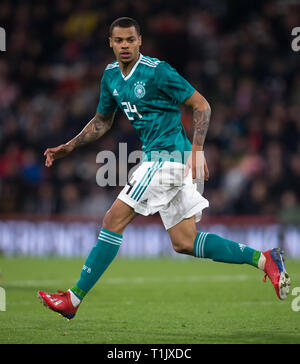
x: 149, y: 180
x: 140, y: 184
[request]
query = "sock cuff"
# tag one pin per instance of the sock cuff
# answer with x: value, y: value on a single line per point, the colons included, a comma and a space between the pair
x: 198, y: 250
x: 112, y: 233
x: 78, y: 292
x: 110, y: 237
x: 255, y: 259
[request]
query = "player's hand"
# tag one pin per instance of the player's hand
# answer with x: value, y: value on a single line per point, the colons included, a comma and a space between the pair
x: 197, y: 163
x: 52, y: 154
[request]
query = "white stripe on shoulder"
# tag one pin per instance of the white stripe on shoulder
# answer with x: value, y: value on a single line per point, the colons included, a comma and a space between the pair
x: 148, y: 64
x: 112, y: 65
x: 150, y: 60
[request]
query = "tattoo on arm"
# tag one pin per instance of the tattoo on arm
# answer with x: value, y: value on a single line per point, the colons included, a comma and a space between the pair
x: 98, y: 126
x: 201, y: 122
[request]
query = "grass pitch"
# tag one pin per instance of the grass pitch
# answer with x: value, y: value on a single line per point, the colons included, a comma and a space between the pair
x: 161, y: 301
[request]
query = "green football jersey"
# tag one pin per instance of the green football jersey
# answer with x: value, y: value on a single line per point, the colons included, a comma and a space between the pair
x: 149, y: 96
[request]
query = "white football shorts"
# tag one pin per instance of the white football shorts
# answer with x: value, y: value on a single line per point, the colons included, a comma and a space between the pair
x: 161, y: 187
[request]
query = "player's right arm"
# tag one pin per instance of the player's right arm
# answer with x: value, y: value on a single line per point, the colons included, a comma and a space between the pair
x: 97, y: 127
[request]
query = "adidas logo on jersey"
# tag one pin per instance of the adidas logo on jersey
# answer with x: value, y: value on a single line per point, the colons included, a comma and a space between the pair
x: 115, y: 93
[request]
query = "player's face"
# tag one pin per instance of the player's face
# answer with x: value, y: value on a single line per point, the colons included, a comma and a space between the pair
x: 125, y: 43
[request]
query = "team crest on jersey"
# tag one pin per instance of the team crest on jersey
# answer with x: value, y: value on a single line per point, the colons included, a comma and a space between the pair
x: 139, y: 89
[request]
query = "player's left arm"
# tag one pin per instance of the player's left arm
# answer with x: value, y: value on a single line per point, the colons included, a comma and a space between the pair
x: 201, y: 119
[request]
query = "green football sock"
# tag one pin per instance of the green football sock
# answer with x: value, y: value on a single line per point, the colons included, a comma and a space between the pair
x: 219, y: 249
x: 100, y: 257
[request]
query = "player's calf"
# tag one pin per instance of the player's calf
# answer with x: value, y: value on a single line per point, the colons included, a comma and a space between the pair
x: 183, y: 245
x: 183, y: 249
x: 183, y: 236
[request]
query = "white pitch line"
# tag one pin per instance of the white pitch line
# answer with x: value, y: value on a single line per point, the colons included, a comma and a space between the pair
x: 211, y: 304
x: 133, y: 280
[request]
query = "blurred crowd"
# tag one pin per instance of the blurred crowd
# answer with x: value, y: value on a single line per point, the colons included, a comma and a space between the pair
x: 237, y: 54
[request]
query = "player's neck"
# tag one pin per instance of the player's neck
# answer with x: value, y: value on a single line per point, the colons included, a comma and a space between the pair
x: 126, y: 67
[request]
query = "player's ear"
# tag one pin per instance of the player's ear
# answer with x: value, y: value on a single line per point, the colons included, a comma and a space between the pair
x: 140, y: 40
x: 110, y: 42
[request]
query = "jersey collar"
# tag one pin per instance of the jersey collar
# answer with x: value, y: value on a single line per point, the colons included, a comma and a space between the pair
x: 125, y: 78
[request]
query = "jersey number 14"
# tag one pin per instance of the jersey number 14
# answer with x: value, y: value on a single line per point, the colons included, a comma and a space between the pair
x: 130, y: 109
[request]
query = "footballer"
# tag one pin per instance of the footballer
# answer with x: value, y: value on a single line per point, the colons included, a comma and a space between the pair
x: 149, y: 92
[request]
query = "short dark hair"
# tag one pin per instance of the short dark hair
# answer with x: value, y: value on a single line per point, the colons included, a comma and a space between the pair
x: 124, y: 22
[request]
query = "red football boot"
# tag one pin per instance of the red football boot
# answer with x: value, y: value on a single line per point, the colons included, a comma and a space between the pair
x: 276, y: 271
x: 59, y: 302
